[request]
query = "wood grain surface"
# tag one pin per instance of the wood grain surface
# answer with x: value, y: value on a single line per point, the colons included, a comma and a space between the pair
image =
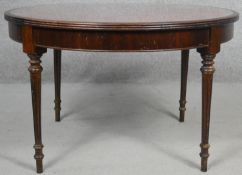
x: 121, y: 16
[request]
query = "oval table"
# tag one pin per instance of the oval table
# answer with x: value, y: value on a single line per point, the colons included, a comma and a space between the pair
x: 121, y: 28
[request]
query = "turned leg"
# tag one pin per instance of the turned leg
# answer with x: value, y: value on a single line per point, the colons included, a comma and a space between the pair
x: 35, y: 70
x: 184, y: 70
x: 207, y: 80
x: 57, y: 74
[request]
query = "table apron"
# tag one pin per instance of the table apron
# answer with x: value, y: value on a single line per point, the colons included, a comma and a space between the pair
x: 90, y: 40
x: 121, y: 41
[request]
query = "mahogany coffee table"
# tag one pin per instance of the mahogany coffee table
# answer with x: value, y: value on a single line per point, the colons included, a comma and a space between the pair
x: 121, y: 28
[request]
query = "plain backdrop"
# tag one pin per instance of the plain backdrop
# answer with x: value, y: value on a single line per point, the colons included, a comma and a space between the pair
x: 120, y: 111
x: 116, y: 67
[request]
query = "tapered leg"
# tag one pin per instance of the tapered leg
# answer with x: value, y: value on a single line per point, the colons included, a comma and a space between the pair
x: 57, y: 74
x: 207, y: 80
x: 35, y: 70
x: 184, y: 70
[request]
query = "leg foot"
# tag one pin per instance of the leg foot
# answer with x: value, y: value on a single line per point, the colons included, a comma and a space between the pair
x: 204, y: 156
x: 39, y: 157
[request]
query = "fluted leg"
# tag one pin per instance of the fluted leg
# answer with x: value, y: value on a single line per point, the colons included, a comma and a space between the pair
x: 35, y: 70
x: 184, y: 70
x: 57, y: 74
x: 207, y: 80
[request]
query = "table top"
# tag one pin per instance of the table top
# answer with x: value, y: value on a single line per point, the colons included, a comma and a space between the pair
x: 119, y: 16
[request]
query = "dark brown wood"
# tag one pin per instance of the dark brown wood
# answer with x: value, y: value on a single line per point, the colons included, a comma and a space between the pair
x: 15, y: 32
x: 207, y: 79
x: 184, y: 71
x: 123, y: 28
x: 35, y: 70
x: 208, y: 55
x: 120, y: 41
x: 120, y: 16
x: 57, y: 75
